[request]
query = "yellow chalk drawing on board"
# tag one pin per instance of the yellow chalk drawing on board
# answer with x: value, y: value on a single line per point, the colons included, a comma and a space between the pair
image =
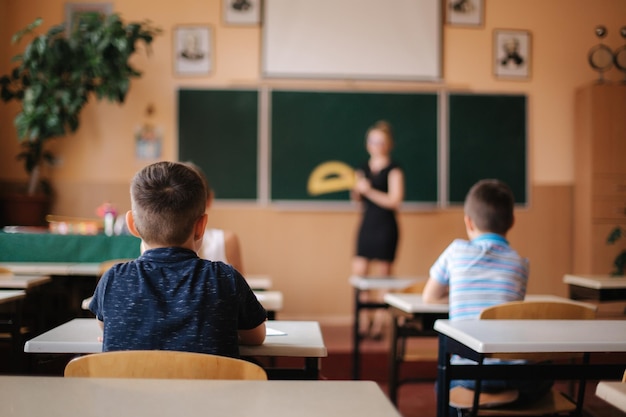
x: 330, y: 177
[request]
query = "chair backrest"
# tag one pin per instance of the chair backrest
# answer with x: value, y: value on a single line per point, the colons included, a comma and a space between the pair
x: 162, y: 364
x: 531, y: 310
x: 538, y: 310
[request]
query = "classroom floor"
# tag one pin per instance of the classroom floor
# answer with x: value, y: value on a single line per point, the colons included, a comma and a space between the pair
x: 414, y: 399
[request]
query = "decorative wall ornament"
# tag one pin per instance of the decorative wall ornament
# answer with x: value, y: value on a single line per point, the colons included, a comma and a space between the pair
x: 600, y: 56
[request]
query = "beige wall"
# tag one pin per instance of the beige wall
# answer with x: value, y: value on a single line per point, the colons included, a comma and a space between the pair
x: 308, y: 253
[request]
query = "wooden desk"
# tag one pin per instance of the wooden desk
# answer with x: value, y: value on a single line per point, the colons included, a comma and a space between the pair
x: 95, y: 397
x: 10, y: 296
x: 91, y: 269
x: 361, y: 284
x: 410, y: 318
x: 303, y: 339
x: 36, y: 303
x: 22, y: 282
x: 12, y: 302
x: 473, y: 339
x: 272, y: 301
x: 613, y: 393
x: 596, y: 287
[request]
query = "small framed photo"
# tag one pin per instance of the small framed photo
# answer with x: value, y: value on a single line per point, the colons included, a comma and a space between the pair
x: 75, y: 11
x: 465, y: 12
x: 242, y: 12
x: 193, y: 51
x: 512, y: 54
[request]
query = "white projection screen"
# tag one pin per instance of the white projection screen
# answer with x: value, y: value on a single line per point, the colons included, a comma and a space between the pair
x: 352, y: 39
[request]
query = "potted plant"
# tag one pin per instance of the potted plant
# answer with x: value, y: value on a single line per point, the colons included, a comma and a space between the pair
x: 58, y: 72
x: 619, y: 263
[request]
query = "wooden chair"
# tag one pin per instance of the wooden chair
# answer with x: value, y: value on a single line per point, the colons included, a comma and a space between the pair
x: 554, y: 402
x: 162, y: 364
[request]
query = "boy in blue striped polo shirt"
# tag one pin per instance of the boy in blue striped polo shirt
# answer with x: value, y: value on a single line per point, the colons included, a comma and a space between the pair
x: 483, y: 271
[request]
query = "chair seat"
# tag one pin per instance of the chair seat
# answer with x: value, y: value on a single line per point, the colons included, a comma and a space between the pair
x: 553, y: 403
x: 464, y: 398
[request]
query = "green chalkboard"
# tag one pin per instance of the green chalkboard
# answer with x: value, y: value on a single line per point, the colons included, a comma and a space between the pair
x: 218, y: 130
x: 312, y: 127
x: 487, y: 139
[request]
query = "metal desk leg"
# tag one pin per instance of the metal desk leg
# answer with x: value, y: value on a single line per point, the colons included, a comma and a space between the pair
x: 393, y: 360
x: 356, y: 337
x: 443, y: 379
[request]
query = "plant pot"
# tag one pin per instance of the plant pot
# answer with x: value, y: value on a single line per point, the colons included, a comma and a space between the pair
x: 24, y: 210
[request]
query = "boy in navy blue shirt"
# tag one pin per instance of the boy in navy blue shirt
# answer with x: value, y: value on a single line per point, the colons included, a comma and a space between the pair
x: 169, y: 298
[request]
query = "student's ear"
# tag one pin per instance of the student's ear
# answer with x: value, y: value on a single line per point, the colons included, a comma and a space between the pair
x: 200, y: 226
x: 130, y: 222
x: 469, y: 224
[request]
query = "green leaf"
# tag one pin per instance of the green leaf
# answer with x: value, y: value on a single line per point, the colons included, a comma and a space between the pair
x: 614, y: 235
x: 620, y: 264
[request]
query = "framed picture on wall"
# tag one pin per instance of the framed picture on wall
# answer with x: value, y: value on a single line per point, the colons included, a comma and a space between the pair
x: 241, y: 12
x: 75, y: 11
x: 465, y: 12
x: 193, y: 51
x: 512, y: 54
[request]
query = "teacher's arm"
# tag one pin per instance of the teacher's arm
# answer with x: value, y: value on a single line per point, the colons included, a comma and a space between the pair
x: 392, y: 199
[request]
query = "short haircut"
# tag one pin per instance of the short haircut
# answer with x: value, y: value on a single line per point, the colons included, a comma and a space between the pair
x: 200, y: 172
x: 167, y: 200
x: 489, y: 203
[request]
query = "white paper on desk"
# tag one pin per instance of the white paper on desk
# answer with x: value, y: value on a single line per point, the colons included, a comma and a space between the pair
x: 273, y: 332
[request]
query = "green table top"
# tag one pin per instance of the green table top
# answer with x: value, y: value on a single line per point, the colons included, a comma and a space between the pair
x: 50, y: 247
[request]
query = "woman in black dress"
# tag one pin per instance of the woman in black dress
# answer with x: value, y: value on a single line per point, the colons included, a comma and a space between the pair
x: 380, y: 189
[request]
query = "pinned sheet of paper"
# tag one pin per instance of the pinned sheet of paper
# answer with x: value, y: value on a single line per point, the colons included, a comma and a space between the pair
x: 273, y: 332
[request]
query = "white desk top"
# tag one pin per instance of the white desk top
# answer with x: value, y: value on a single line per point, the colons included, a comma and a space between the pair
x: 22, y: 281
x: 7, y: 296
x: 303, y: 339
x: 94, y: 397
x: 390, y: 283
x: 257, y: 282
x: 599, y: 282
x: 517, y: 336
x: 413, y: 303
x: 270, y: 300
x: 613, y: 393
x: 53, y: 268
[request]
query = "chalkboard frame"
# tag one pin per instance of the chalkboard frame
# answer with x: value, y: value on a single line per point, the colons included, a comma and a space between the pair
x: 260, y: 159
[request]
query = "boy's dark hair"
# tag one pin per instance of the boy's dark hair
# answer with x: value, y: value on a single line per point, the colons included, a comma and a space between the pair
x: 489, y: 203
x: 167, y: 199
x: 201, y: 173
